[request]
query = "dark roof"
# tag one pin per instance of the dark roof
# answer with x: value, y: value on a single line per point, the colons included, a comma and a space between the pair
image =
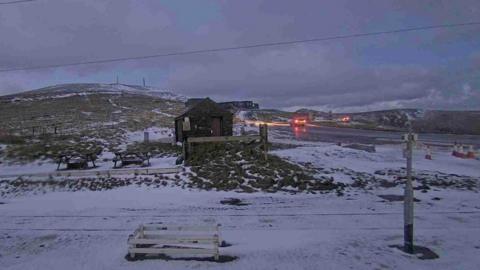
x: 236, y: 102
x: 203, y: 102
x: 193, y: 101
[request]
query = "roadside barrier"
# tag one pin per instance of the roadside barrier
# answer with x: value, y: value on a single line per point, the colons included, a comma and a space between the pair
x: 458, y: 151
x: 471, y: 152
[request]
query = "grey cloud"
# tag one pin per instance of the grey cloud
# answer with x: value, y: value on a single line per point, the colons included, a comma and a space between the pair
x: 330, y: 75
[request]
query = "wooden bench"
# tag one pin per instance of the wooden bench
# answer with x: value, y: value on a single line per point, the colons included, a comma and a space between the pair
x: 129, y: 158
x: 174, y: 240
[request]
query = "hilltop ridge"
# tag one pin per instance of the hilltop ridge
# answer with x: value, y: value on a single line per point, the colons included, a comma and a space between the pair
x: 83, y: 89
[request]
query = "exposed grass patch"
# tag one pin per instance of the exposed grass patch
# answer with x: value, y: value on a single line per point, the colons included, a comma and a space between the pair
x: 12, y: 139
x: 242, y: 167
x: 49, y: 147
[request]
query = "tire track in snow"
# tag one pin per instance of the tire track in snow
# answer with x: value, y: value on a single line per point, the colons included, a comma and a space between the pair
x: 233, y: 228
x: 244, y: 215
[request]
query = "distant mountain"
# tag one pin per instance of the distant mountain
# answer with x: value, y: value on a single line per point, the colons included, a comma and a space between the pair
x: 135, y: 107
x: 84, y: 89
x: 398, y: 118
x: 427, y: 121
x: 460, y: 122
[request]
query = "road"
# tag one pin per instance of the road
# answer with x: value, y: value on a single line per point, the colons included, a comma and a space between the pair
x: 349, y: 135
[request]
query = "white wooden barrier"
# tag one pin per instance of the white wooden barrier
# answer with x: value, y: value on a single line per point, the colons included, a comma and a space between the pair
x: 224, y: 139
x: 175, y: 240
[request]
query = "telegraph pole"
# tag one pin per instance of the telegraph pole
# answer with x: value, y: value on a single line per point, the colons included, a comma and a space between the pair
x: 408, y: 196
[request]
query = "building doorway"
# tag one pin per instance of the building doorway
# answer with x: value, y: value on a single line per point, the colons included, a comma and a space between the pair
x: 216, y: 126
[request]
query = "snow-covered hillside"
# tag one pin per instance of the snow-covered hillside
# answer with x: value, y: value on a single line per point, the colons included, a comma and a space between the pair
x: 97, y: 114
x: 69, y: 90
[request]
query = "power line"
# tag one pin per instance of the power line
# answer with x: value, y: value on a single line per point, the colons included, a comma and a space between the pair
x: 16, y: 2
x: 250, y: 46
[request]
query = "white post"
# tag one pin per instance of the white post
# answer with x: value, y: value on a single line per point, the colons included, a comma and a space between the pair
x: 216, y: 248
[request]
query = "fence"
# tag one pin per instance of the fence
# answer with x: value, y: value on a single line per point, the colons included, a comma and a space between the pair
x: 262, y: 138
x: 97, y: 172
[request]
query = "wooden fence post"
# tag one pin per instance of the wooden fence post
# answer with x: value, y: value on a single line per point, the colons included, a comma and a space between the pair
x: 185, y: 150
x: 264, y: 138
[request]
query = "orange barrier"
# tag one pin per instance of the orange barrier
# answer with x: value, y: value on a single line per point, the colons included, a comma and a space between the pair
x: 458, y: 151
x: 470, y: 153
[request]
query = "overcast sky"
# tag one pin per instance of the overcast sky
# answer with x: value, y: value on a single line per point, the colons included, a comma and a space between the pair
x: 436, y: 69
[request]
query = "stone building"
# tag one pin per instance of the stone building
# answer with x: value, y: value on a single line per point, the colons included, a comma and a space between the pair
x: 203, y: 118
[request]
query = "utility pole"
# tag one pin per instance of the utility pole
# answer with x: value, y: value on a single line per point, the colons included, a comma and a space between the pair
x: 410, y: 138
x: 144, y: 85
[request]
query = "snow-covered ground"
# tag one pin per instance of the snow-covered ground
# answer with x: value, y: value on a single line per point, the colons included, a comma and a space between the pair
x: 326, y: 155
x: 238, y: 129
x: 50, y: 167
x: 29, y: 168
x: 157, y: 111
x: 89, y: 229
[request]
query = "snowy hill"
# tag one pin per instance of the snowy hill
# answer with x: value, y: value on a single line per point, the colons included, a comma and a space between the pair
x: 428, y: 121
x: 84, y: 89
x: 90, y: 108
